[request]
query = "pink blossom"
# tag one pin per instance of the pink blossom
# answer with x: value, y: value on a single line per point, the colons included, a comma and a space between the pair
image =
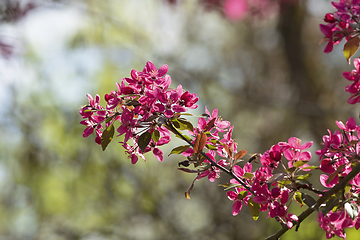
x: 235, y: 10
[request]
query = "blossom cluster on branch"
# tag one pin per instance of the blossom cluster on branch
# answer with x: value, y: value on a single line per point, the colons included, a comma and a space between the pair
x: 147, y: 110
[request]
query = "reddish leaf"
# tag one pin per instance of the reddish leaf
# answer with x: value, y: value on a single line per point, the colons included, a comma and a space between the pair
x: 209, y: 125
x: 240, y: 154
x: 200, y: 142
x: 228, y: 150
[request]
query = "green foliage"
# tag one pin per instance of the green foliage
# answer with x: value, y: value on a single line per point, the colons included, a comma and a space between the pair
x: 350, y: 48
x: 144, y: 140
x: 107, y: 136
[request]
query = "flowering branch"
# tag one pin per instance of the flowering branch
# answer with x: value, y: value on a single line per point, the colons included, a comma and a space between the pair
x: 338, y: 187
x: 213, y: 163
x: 148, y: 110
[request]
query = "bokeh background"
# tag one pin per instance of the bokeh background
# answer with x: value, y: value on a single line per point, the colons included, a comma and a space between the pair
x: 259, y: 62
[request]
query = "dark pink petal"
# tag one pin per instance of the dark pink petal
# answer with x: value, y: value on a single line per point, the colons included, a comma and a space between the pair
x: 248, y: 167
x: 305, y: 156
x: 98, y: 119
x: 238, y: 171
x: 289, y: 154
x: 128, y: 135
x: 203, y: 174
x: 163, y: 70
x: 215, y: 113
x: 222, y: 124
x: 232, y: 195
x: 357, y: 64
x: 201, y: 123
x: 168, y: 113
x: 158, y: 154
x: 122, y: 129
x: 212, y: 176
x: 284, y: 197
x: 150, y: 67
x: 88, y: 131
x: 163, y: 140
x: 178, y: 108
x: 134, y: 158
x: 329, y: 47
x: 158, y: 107
x: 306, y: 145
x: 275, y: 192
x: 351, y: 124
x: 327, y: 30
x: 332, y: 183
x: 85, y: 122
x: 91, y: 100
x: 236, y: 208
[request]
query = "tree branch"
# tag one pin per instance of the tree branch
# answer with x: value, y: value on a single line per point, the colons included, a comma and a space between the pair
x: 341, y: 185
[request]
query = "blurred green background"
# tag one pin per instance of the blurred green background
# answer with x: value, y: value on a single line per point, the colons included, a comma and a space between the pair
x: 267, y: 75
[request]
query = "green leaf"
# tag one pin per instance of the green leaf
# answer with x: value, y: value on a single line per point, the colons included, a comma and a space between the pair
x: 304, y: 177
x: 351, y: 47
x: 109, y: 118
x: 232, y: 185
x: 248, y: 175
x: 224, y: 185
x: 184, y: 124
x: 254, y: 209
x: 156, y: 135
x: 185, y: 136
x: 242, y: 195
x: 300, y: 163
x: 144, y: 140
x: 210, y: 147
x: 298, y: 198
x: 179, y: 149
x: 284, y: 183
x: 107, y: 136
x: 311, y: 167
x: 291, y: 170
x: 176, y: 123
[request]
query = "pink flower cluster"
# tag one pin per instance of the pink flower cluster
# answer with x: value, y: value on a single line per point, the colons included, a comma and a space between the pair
x: 354, y: 88
x: 341, y: 149
x: 334, y: 223
x: 142, y: 104
x: 341, y: 24
x: 338, y: 157
x: 148, y: 110
x: 273, y: 182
